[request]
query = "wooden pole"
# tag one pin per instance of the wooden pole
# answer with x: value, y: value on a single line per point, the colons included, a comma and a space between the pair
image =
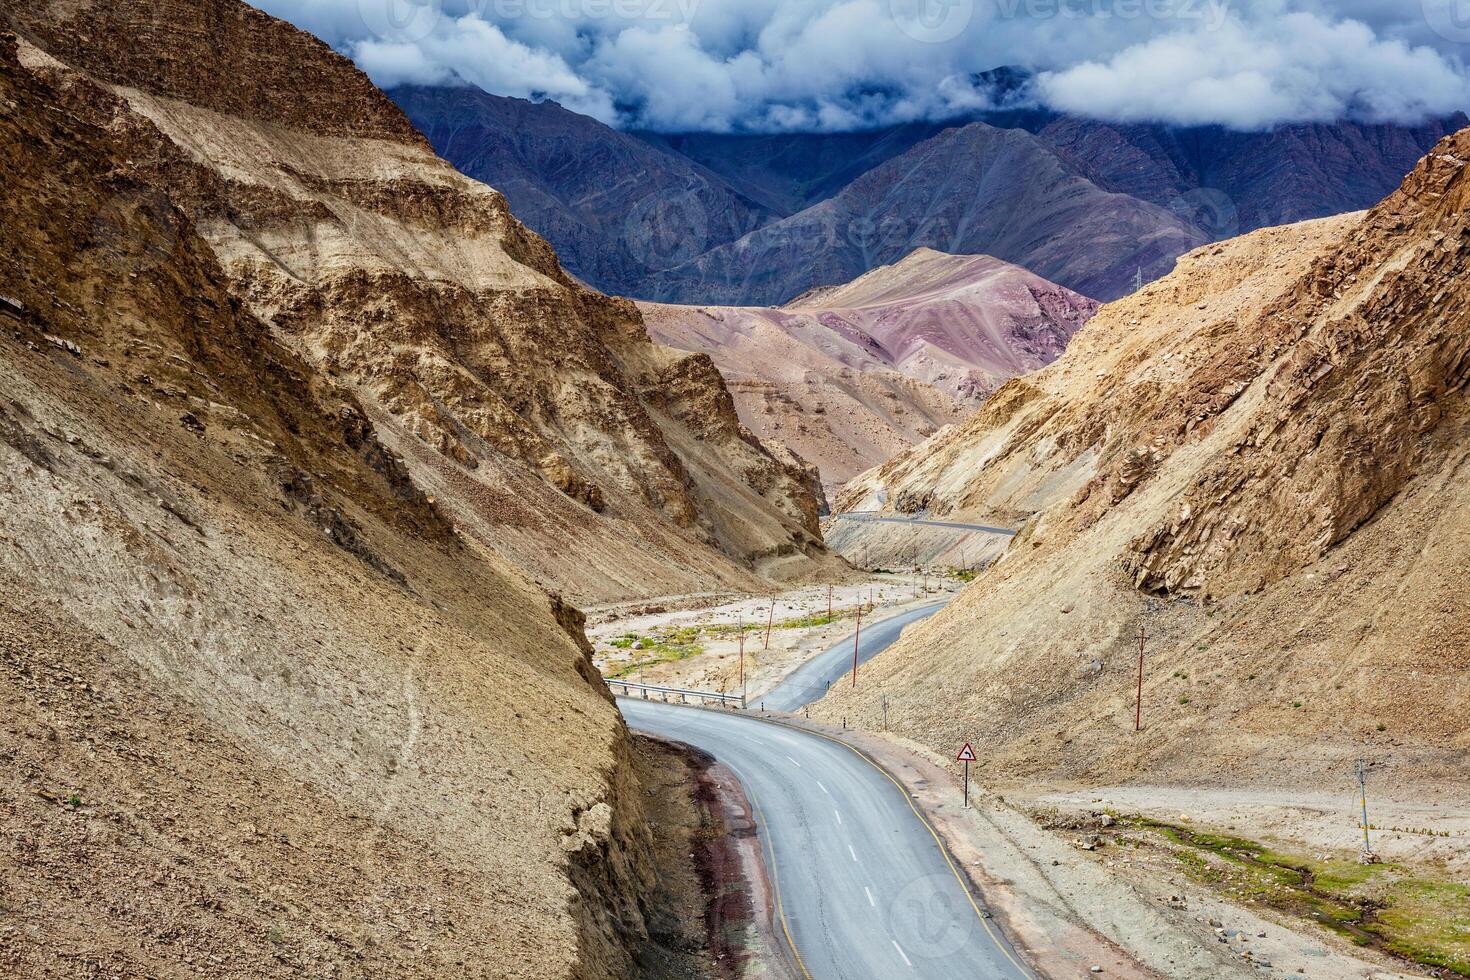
x: 741, y: 621
x: 770, y: 618
x: 856, y: 633
x: 829, y: 603
x: 1138, y: 705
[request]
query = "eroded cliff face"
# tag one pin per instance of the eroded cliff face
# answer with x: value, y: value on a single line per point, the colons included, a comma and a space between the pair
x: 1370, y: 393
x: 264, y: 712
x: 1259, y: 460
x: 415, y: 286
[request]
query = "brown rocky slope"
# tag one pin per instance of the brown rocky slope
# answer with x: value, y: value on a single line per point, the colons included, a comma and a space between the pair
x: 1259, y: 460
x: 536, y: 411
x: 849, y: 376
x: 265, y: 714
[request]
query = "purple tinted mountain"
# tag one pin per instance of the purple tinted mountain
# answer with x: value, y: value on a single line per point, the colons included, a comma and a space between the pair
x: 1231, y: 182
x: 615, y: 207
x: 975, y: 189
x: 658, y: 216
x: 791, y: 171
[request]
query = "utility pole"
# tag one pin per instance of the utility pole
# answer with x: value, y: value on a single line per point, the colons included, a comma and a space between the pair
x: 884, y: 698
x: 829, y: 603
x: 1138, y: 706
x: 770, y: 618
x: 740, y: 619
x: 1363, y: 798
x: 855, y: 634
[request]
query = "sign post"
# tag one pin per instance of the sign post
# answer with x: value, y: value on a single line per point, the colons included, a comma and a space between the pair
x: 967, y: 756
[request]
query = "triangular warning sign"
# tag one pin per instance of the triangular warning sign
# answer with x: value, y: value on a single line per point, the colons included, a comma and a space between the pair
x: 967, y: 754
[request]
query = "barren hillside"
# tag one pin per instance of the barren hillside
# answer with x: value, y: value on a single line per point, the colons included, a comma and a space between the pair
x: 536, y: 411
x: 263, y: 712
x: 851, y: 375
x: 1260, y: 460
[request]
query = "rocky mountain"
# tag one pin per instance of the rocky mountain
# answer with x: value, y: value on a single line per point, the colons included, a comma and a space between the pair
x: 790, y: 172
x: 974, y: 189
x: 1229, y: 182
x: 296, y: 424
x: 851, y: 375
x: 1258, y: 461
x: 626, y: 215
x: 264, y: 712
x: 615, y: 207
x: 535, y: 410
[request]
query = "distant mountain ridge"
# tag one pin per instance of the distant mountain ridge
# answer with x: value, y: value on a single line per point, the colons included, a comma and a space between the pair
x: 848, y: 376
x: 703, y: 217
x: 615, y: 207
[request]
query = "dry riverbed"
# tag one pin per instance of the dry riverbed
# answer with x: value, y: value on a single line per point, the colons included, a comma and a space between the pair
x: 699, y: 648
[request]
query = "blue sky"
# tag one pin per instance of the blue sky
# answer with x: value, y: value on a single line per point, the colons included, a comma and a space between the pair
x: 804, y: 65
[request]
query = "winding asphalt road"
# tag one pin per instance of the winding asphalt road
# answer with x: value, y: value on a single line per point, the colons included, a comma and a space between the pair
x: 814, y: 678
x: 925, y: 522
x: 864, y: 889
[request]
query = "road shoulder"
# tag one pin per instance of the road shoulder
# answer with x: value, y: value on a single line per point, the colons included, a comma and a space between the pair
x: 1069, y: 908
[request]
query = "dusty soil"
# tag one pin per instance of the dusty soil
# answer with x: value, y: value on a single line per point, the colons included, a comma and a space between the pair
x: 1431, y: 827
x: 715, y: 917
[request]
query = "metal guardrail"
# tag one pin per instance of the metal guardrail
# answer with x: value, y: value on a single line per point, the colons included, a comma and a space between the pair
x: 650, y: 693
x: 881, y: 517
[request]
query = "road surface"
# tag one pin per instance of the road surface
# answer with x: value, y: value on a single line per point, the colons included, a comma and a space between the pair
x: 925, y: 522
x: 812, y: 679
x: 863, y: 887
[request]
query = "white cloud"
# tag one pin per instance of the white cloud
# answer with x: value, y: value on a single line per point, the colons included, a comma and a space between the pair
x: 1299, y: 67
x: 842, y: 64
